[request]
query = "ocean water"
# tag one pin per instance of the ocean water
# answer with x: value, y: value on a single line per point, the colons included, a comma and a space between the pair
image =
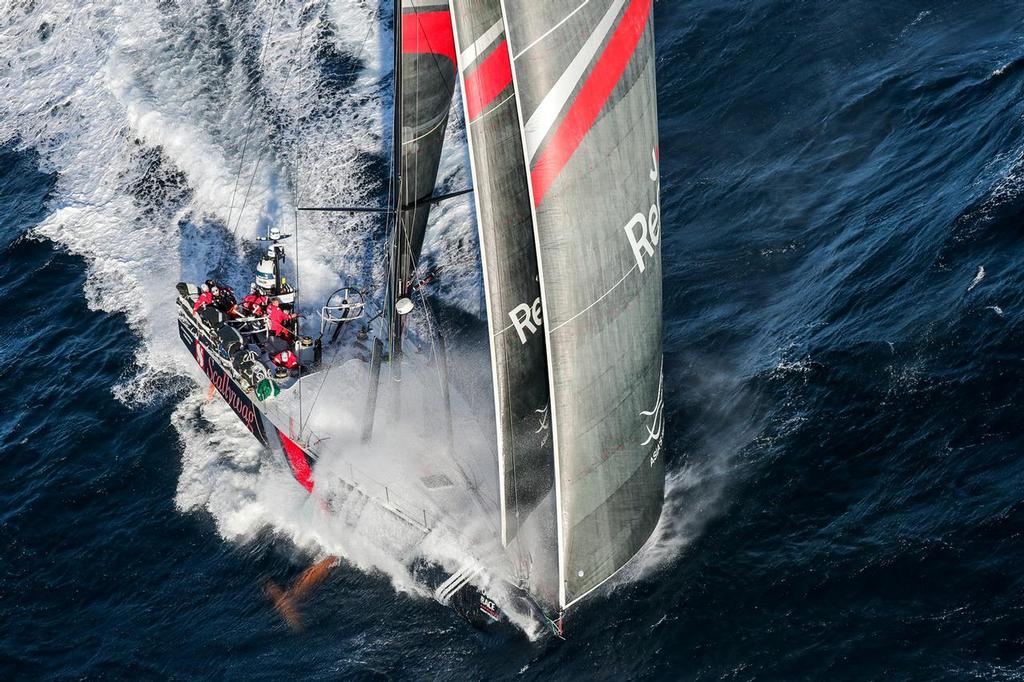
x: 843, y: 201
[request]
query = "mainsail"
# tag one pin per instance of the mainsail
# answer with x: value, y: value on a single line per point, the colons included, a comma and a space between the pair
x: 425, y: 76
x: 584, y: 76
x: 512, y: 287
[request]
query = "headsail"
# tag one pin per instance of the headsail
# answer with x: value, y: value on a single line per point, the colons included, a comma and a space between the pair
x: 424, y: 84
x: 509, y: 257
x: 585, y: 88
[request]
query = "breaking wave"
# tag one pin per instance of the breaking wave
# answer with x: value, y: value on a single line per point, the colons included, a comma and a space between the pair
x: 177, y: 133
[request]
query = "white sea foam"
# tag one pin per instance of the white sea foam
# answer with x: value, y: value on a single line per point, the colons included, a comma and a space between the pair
x: 978, y: 276
x: 695, y: 491
x: 143, y: 114
x: 172, y: 153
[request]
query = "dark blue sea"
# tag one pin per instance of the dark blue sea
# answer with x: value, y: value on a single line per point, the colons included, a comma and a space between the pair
x: 843, y: 200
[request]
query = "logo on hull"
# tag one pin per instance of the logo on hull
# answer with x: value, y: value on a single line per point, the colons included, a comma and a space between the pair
x: 241, y: 406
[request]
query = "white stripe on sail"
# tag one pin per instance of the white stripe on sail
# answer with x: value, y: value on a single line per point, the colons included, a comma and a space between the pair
x: 421, y: 4
x: 552, y: 29
x: 544, y: 117
x: 480, y: 45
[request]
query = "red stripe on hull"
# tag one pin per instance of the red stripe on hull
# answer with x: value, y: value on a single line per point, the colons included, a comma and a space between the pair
x: 297, y: 459
x: 591, y: 99
x: 428, y: 33
x: 486, y: 82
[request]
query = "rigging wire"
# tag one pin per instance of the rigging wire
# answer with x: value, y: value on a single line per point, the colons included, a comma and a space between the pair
x: 249, y: 124
x: 395, y: 194
x: 296, y: 177
x: 248, y: 189
x: 330, y: 365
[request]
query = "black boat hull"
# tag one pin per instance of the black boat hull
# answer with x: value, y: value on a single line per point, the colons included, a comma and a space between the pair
x: 240, y: 402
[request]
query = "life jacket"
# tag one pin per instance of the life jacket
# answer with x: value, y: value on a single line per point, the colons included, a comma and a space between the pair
x: 286, y: 359
x: 205, y: 299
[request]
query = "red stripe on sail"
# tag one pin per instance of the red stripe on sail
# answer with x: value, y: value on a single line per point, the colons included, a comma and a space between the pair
x: 486, y: 82
x: 593, y: 96
x: 428, y: 33
x: 297, y: 459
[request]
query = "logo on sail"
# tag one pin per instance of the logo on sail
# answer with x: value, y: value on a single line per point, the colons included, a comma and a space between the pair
x: 644, y: 231
x: 527, y: 318
x: 655, y: 422
x: 544, y: 426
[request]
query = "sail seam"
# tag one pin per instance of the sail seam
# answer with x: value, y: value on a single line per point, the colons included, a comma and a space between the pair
x: 552, y: 330
x: 551, y: 30
x: 491, y: 110
x: 502, y: 331
x: 443, y: 120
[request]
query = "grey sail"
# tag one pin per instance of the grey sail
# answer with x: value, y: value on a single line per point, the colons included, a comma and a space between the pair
x: 585, y: 88
x: 424, y: 84
x: 512, y: 287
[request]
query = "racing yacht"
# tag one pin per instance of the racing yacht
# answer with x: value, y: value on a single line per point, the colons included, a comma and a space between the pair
x: 561, y: 113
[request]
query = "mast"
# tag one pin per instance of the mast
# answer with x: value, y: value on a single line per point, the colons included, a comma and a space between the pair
x: 425, y: 77
x: 394, y: 286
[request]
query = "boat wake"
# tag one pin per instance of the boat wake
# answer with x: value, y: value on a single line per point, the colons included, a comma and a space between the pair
x: 177, y: 134
x: 697, y: 483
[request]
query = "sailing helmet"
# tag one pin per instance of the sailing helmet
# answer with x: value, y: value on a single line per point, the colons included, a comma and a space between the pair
x: 215, y: 291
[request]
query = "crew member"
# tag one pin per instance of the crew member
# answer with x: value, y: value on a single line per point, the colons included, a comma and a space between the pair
x: 278, y: 318
x: 205, y: 299
x: 254, y: 303
x: 286, y: 359
x: 223, y: 298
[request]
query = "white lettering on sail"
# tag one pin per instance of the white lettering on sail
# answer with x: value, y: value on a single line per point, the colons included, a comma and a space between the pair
x: 527, y: 318
x: 656, y: 425
x: 544, y: 426
x: 644, y: 231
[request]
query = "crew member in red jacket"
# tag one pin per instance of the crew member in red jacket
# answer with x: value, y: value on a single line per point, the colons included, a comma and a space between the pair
x: 254, y: 303
x: 205, y: 299
x: 278, y: 318
x: 286, y: 359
